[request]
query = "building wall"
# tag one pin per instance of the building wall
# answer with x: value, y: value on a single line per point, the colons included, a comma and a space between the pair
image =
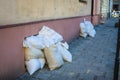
x: 96, y: 12
x: 104, y: 8
x: 21, y: 11
x: 96, y: 7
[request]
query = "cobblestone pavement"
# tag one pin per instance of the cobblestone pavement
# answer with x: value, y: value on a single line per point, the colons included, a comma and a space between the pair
x: 93, y: 58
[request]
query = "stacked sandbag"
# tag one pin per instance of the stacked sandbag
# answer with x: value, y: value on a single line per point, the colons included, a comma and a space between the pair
x: 53, y: 53
x: 34, y: 57
x: 32, y: 53
x: 34, y: 64
x: 86, y: 28
x: 46, y: 46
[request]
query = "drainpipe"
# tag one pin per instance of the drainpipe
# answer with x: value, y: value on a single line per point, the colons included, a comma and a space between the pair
x: 92, y: 9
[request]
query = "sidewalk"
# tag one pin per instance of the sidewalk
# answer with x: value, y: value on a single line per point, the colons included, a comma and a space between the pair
x: 93, y: 58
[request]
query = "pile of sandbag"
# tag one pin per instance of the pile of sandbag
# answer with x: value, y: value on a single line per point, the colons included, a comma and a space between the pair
x: 46, y: 47
x: 86, y: 28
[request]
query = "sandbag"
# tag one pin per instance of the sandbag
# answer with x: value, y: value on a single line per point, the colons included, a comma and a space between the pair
x: 51, y: 35
x: 32, y: 53
x: 42, y: 62
x: 66, y: 55
x: 32, y: 65
x: 47, y: 41
x: 34, y: 41
x: 53, y: 57
x: 45, y: 38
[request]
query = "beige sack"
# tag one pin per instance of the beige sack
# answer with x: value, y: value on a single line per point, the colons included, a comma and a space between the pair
x: 33, y: 53
x: 53, y: 57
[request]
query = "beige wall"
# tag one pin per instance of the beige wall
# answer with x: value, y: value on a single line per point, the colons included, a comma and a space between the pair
x: 21, y: 11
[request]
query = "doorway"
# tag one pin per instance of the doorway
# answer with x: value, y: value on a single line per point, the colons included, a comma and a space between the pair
x: 115, y: 7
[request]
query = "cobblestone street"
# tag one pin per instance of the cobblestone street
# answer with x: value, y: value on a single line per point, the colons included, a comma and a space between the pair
x: 93, y: 58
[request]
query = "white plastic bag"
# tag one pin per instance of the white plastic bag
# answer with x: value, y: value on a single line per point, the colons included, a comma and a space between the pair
x: 89, y: 28
x: 92, y: 33
x: 88, y: 23
x: 53, y: 57
x: 32, y: 65
x: 32, y: 53
x: 83, y: 31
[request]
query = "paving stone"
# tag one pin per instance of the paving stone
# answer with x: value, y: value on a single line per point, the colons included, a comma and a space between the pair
x: 99, y: 78
x: 42, y: 76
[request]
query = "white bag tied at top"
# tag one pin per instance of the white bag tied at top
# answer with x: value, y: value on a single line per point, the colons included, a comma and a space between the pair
x: 90, y: 28
x: 83, y: 31
x: 87, y: 29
